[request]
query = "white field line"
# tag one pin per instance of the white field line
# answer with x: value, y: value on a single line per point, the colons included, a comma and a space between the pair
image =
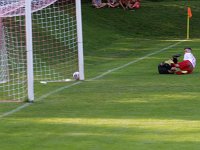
x: 79, y: 82
x: 134, y: 61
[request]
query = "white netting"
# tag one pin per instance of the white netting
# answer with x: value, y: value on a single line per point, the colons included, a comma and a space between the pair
x: 55, y: 48
x: 57, y: 56
x: 13, y: 59
x: 17, y: 7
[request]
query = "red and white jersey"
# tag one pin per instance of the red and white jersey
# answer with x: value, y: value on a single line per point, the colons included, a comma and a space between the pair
x: 191, y: 58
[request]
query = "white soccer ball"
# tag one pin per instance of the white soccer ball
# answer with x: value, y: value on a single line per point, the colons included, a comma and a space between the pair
x: 76, y: 75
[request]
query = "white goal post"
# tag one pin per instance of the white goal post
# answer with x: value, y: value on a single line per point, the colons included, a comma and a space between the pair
x: 40, y: 40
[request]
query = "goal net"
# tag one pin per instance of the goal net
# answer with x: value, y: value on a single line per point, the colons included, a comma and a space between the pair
x: 56, y: 44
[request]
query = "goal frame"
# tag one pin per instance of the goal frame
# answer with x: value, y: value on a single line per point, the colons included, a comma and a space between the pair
x: 29, y: 46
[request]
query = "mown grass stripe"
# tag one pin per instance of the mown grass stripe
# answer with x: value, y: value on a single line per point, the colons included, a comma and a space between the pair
x: 79, y: 82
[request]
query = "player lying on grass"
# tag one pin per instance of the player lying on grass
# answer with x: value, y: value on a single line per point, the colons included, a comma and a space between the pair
x: 166, y: 66
x: 172, y: 66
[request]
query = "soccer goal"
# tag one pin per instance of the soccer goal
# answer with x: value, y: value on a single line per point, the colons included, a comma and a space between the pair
x: 40, y: 40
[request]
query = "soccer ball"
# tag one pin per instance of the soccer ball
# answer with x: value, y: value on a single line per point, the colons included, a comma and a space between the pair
x: 76, y: 75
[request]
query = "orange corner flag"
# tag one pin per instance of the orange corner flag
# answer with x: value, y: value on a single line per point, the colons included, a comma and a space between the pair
x: 189, y: 12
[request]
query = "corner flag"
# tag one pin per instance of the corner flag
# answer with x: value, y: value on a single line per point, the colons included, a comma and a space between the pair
x: 189, y: 12
x: 189, y: 15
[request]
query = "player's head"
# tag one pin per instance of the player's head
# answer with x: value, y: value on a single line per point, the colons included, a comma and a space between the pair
x: 175, y: 58
x: 187, y: 50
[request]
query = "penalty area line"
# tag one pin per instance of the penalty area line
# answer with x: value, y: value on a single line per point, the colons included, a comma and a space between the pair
x: 79, y: 82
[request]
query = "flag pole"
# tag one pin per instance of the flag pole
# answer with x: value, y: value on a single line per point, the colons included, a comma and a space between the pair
x: 188, y: 27
x: 189, y: 15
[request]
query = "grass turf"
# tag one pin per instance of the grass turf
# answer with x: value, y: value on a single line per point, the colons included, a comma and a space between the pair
x: 132, y: 107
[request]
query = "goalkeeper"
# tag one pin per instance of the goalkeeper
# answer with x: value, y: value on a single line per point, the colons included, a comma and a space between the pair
x: 168, y: 66
x: 173, y: 66
x: 187, y: 65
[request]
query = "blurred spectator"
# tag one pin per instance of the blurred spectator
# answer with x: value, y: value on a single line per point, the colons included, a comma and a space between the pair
x: 113, y: 3
x: 98, y: 4
x: 124, y: 3
x: 133, y: 4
